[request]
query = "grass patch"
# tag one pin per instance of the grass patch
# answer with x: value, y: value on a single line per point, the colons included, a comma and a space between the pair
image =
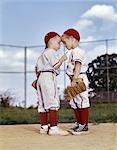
x: 14, y: 115
x: 103, y: 112
x: 98, y: 113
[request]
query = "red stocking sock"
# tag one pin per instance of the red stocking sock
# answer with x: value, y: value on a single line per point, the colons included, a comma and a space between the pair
x: 84, y: 115
x: 77, y: 115
x: 43, y: 118
x: 53, y: 117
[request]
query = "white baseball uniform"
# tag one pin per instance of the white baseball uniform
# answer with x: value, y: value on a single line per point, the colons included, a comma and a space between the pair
x: 47, y: 85
x: 78, y: 54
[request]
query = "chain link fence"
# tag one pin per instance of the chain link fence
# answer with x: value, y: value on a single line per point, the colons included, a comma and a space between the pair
x: 17, y: 65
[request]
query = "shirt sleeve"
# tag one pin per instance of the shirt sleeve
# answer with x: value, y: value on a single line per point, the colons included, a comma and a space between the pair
x: 39, y: 64
x: 52, y: 58
x: 78, y: 55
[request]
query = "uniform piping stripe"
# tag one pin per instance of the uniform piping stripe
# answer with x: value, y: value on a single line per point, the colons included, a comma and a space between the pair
x: 81, y: 100
x: 75, y: 103
x: 54, y: 86
x: 55, y: 64
x: 42, y: 98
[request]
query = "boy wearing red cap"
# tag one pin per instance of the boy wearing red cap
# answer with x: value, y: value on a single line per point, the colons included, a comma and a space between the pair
x: 76, y: 68
x: 48, y: 67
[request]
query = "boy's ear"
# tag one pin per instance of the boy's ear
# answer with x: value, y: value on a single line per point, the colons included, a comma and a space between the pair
x: 72, y: 37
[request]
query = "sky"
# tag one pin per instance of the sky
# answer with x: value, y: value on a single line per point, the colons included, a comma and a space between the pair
x: 25, y: 23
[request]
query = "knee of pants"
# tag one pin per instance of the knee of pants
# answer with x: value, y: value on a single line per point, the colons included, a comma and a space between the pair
x: 54, y: 108
x: 41, y: 110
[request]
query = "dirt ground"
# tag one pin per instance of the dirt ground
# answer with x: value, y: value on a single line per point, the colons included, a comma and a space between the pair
x: 26, y: 137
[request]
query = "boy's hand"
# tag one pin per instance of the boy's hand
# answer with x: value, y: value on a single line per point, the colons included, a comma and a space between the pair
x: 64, y: 57
x: 73, y: 83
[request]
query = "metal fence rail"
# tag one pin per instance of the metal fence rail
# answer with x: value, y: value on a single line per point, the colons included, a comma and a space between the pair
x: 108, y: 45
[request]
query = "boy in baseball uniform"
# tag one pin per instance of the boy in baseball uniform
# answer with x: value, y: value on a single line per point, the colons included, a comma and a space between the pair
x: 76, y: 68
x: 47, y: 66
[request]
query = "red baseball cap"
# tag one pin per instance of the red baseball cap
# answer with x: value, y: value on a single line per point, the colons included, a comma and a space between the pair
x: 50, y: 35
x: 73, y: 32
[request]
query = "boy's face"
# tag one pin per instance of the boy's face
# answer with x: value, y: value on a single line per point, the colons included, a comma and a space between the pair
x: 56, y: 42
x: 67, y: 41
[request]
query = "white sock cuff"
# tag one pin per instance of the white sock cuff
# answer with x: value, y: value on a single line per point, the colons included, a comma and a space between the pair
x: 53, y: 127
x: 44, y: 126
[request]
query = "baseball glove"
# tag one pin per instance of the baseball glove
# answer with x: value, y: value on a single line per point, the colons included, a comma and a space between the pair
x: 71, y: 91
x: 34, y: 84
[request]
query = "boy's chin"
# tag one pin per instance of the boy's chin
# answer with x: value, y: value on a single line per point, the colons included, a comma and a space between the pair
x: 69, y: 49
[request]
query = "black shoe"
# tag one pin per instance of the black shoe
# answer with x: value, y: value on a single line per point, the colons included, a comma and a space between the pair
x: 82, y: 129
x: 76, y: 126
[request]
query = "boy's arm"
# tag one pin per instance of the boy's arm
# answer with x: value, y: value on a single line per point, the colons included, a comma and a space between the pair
x: 76, y: 72
x: 59, y: 63
x: 36, y: 71
x: 77, y: 69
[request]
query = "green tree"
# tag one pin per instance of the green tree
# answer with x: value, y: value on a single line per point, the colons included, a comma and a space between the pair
x: 7, y: 98
x: 97, y: 73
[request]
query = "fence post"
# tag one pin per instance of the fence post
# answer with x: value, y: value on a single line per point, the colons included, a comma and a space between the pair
x: 25, y: 76
x: 64, y: 72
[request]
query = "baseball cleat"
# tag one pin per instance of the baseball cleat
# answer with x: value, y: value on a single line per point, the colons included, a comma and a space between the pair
x: 57, y: 131
x: 83, y: 129
x: 44, y: 129
x: 76, y: 126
